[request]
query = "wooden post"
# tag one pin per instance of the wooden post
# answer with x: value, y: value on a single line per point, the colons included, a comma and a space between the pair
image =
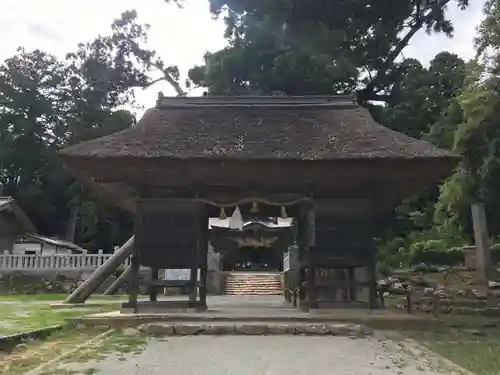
x: 84, y: 291
x: 118, y: 282
x: 203, y: 253
x: 153, y: 289
x: 372, y: 263
x: 311, y: 271
x: 134, y: 280
x: 482, y: 248
x: 372, y: 280
x: 193, y: 284
x: 351, y: 279
x: 302, y: 258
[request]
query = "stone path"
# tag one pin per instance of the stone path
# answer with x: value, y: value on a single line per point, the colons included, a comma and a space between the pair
x: 267, y: 355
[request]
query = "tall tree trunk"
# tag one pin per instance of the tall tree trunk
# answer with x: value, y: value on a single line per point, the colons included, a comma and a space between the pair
x: 71, y: 226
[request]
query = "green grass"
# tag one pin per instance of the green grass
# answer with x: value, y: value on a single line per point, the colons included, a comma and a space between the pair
x: 28, y: 356
x: 52, y: 297
x: 473, y: 343
x: 24, y: 317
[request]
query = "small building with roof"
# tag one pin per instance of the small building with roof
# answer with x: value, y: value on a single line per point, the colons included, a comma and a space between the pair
x: 18, y: 234
x: 13, y: 223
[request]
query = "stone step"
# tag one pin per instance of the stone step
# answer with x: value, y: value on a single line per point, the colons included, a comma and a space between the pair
x: 244, y: 284
x: 252, y: 294
x: 250, y: 289
x: 253, y: 274
x: 247, y: 290
x: 253, y: 291
x: 248, y: 283
x: 253, y: 280
x: 161, y: 329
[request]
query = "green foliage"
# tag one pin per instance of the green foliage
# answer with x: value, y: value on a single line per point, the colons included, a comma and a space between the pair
x: 46, y: 104
x: 325, y: 47
x: 436, y: 246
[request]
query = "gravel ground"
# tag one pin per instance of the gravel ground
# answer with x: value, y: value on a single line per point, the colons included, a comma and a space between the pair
x: 269, y: 355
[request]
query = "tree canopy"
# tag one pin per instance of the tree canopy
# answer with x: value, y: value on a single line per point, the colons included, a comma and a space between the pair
x: 274, y: 47
x: 326, y: 47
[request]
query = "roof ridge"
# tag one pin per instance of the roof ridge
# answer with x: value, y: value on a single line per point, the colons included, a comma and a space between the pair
x: 335, y: 101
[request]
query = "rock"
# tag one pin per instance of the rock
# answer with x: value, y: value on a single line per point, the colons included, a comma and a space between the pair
x: 157, y: 329
x: 281, y: 329
x: 494, y: 293
x: 420, y: 282
x: 474, y: 332
x: 187, y: 329
x: 339, y: 329
x: 317, y: 329
x: 217, y: 329
x: 441, y: 292
x: 494, y: 284
x: 251, y: 329
x: 130, y: 331
x: 429, y: 291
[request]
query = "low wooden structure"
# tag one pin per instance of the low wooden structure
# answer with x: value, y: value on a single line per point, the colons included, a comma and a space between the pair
x: 323, y: 160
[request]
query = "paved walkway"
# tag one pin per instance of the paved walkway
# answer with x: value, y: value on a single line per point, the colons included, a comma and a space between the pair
x: 267, y: 355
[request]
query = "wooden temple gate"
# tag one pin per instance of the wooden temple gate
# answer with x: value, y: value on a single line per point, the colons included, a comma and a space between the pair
x: 323, y: 160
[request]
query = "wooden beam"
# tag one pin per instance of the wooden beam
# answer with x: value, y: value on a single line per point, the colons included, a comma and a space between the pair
x: 153, y: 292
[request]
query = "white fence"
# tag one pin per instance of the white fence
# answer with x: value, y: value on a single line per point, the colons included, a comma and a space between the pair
x: 60, y: 262
x: 66, y: 262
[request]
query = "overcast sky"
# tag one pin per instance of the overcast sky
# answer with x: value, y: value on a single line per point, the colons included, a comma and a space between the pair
x: 180, y: 36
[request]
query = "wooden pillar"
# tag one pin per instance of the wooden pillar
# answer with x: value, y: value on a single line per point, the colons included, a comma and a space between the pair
x: 344, y: 282
x: 311, y: 270
x: 193, y: 284
x: 351, y: 279
x: 302, y: 258
x: 372, y: 280
x: 372, y: 262
x: 134, y: 280
x: 483, y: 259
x: 203, y: 254
x: 153, y: 288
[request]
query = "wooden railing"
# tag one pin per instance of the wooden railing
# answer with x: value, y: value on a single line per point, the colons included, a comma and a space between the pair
x: 73, y: 262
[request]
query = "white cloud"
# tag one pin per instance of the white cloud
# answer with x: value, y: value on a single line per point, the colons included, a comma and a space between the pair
x: 424, y: 47
x: 181, y: 36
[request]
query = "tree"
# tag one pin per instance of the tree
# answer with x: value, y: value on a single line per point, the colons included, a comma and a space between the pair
x: 46, y: 104
x: 422, y: 105
x: 33, y: 88
x: 477, y: 135
x: 325, y: 47
x: 420, y: 95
